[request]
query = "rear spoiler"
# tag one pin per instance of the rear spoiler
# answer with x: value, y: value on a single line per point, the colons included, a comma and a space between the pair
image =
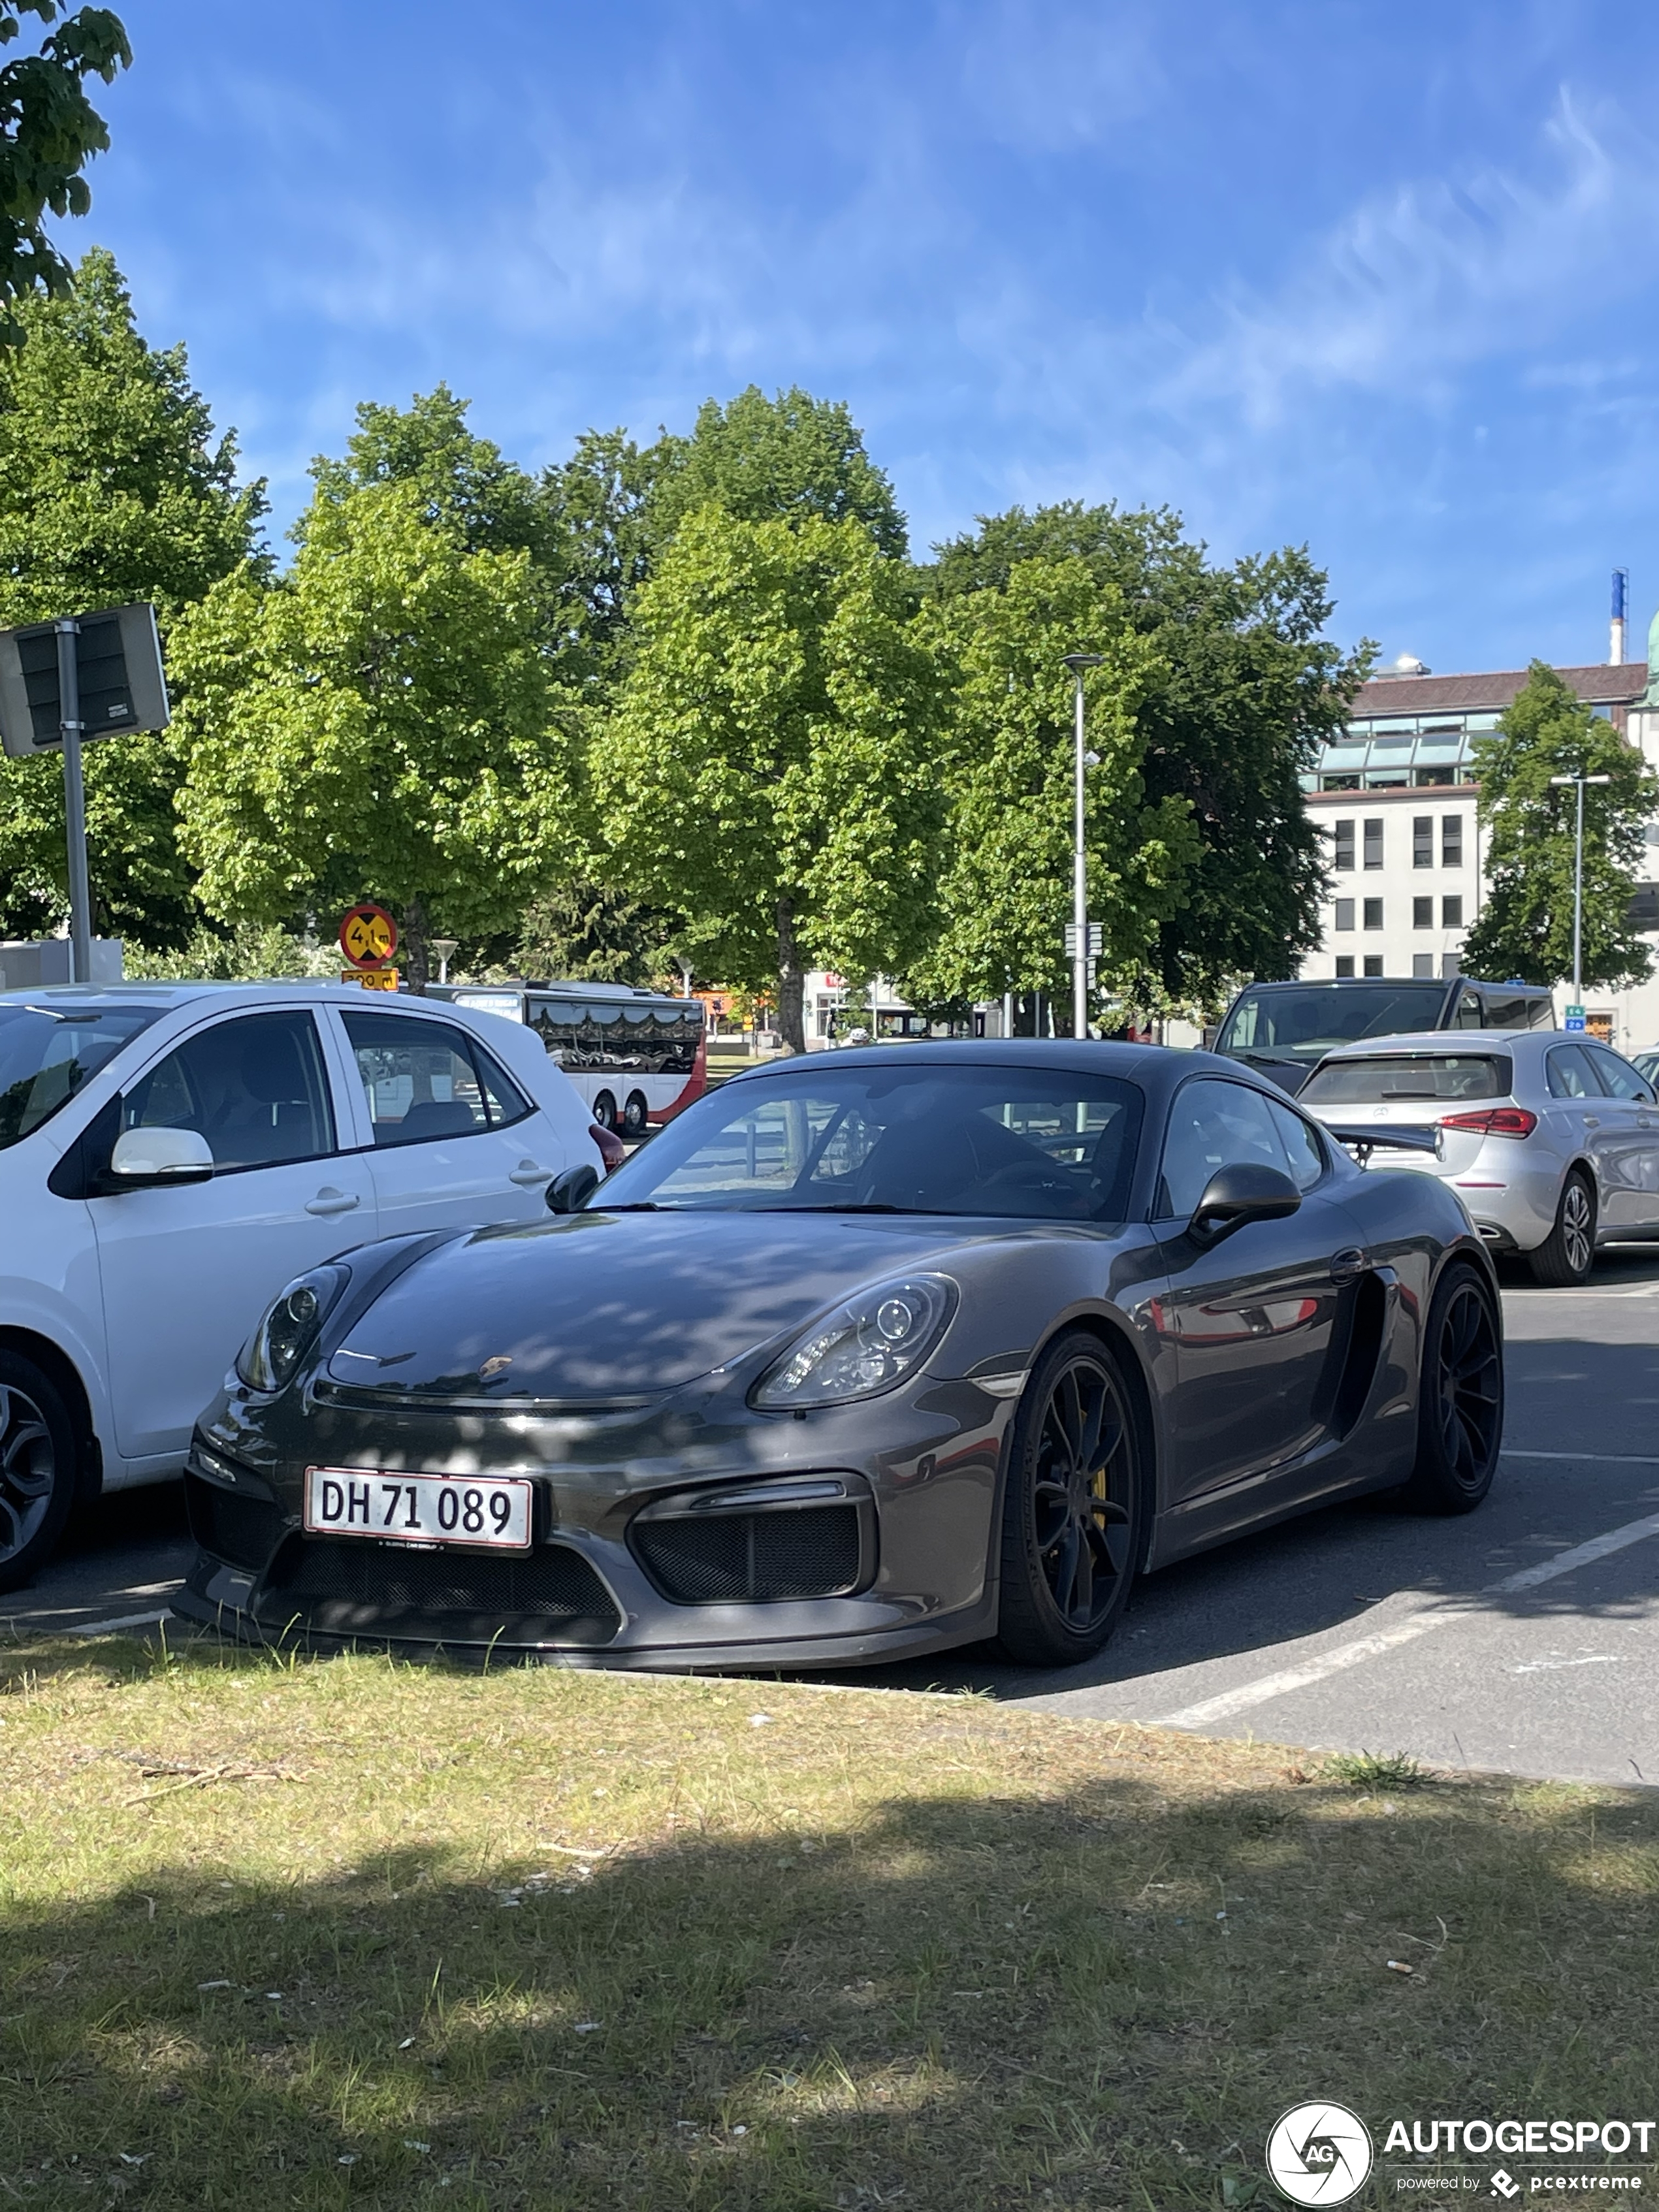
x: 1362, y: 1142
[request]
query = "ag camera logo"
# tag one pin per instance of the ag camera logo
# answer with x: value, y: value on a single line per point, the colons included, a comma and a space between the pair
x: 1320, y: 2153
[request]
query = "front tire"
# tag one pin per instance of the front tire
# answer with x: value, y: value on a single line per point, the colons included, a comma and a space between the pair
x: 1568, y: 1253
x: 1074, y: 1507
x: 37, y: 1468
x: 1459, y: 1411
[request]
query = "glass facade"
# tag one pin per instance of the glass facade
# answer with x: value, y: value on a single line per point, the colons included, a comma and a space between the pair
x: 1393, y: 752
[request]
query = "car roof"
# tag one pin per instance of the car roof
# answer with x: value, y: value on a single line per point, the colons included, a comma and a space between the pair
x: 179, y: 994
x: 1156, y: 1069
x: 1408, y: 1041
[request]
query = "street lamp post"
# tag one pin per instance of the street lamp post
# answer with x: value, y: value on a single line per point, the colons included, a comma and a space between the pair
x: 1076, y: 662
x: 1578, y: 883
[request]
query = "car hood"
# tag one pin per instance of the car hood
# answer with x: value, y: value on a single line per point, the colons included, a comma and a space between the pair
x: 598, y: 1306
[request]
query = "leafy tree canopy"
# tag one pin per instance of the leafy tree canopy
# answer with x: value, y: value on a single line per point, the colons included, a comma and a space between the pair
x: 376, y: 723
x: 581, y: 932
x: 596, y: 503
x: 767, y: 776
x: 48, y: 131
x: 1525, y: 927
x: 1005, y: 894
x: 792, y: 458
x: 1241, y: 691
x: 113, y: 487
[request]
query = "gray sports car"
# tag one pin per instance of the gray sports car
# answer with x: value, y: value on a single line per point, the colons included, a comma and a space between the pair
x: 868, y: 1353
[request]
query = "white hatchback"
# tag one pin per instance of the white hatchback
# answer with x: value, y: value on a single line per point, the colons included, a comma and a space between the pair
x: 172, y: 1154
x: 1551, y: 1141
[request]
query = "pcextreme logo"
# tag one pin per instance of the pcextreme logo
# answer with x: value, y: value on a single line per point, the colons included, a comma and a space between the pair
x: 1320, y: 2153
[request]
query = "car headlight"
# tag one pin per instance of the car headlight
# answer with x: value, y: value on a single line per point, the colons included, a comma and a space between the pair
x: 288, y: 1329
x: 864, y: 1346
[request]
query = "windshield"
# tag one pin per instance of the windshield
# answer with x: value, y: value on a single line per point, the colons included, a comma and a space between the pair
x: 1301, y: 1024
x: 48, y: 1054
x: 1037, y: 1144
x: 1377, y: 1079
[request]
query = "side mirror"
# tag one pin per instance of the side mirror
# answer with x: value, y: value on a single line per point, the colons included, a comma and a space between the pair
x: 570, y: 1191
x: 1243, y: 1192
x: 143, y: 1160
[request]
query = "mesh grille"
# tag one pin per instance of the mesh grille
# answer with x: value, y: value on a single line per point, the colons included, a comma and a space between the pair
x: 810, y: 1550
x: 241, y: 1530
x: 365, y: 1588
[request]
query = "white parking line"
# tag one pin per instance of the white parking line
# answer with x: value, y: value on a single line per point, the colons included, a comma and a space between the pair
x: 1265, y: 1687
x: 127, y: 1620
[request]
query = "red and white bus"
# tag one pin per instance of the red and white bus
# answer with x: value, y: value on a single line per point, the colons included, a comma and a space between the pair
x: 636, y: 1057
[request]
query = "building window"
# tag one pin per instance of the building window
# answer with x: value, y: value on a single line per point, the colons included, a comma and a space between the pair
x: 1344, y: 965
x: 1451, y: 963
x: 1374, y: 842
x: 1451, y: 913
x: 1345, y: 913
x: 1423, y: 964
x: 1342, y: 857
x: 1423, y: 841
x: 1373, y: 964
x: 1373, y: 914
x: 1451, y: 841
x: 1422, y: 914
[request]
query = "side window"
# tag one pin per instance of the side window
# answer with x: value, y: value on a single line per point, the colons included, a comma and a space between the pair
x: 425, y: 1080
x: 1543, y: 1013
x: 1470, y: 1012
x: 1213, y: 1124
x: 254, y: 1087
x: 1570, y: 1074
x: 1507, y: 1013
x: 1303, y: 1146
x: 1618, y: 1078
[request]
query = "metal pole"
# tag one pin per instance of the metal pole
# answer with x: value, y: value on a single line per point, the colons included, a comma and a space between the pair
x: 1578, y: 903
x: 1079, y: 888
x: 75, y: 802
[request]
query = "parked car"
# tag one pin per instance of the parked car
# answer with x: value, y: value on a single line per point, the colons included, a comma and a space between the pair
x: 864, y: 1354
x: 1646, y: 1065
x: 171, y: 1154
x: 1551, y: 1141
x: 1283, y: 1030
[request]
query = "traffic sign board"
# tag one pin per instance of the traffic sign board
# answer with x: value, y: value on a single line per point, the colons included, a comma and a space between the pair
x: 369, y: 935
x: 371, y: 978
x: 1097, y: 937
x: 1575, y: 1019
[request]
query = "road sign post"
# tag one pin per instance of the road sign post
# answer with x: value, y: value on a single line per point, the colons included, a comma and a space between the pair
x: 368, y: 938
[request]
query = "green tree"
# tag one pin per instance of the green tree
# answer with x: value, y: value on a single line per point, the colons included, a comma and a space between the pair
x: 583, y: 933
x: 1240, y: 692
x: 113, y: 487
x: 596, y: 502
x: 1005, y: 894
x: 1525, y: 927
x: 766, y: 778
x: 379, y: 722
x: 48, y: 131
x: 792, y: 458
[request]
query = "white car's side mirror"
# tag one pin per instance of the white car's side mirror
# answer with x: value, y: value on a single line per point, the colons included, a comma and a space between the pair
x: 160, y: 1155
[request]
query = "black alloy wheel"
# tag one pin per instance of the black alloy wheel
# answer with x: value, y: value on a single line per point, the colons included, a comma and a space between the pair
x: 1072, y: 1508
x: 634, y: 1114
x: 37, y: 1469
x: 605, y: 1111
x: 1461, y: 1409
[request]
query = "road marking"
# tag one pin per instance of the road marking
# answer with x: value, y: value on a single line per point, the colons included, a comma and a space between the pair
x: 127, y: 1620
x: 1267, y: 1687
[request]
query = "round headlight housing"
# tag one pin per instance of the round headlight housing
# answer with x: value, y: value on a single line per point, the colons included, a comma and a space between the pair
x: 866, y: 1345
x: 288, y: 1329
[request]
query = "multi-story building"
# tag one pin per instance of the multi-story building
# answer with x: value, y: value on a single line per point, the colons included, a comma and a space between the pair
x: 1395, y: 798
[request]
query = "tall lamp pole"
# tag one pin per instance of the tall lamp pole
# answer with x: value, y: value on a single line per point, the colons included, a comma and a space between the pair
x: 1076, y: 662
x: 1578, y: 883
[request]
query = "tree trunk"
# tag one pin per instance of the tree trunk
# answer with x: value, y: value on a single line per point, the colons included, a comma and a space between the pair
x: 412, y: 953
x: 791, y: 982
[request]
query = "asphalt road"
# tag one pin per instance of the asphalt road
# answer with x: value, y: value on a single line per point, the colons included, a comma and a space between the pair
x: 1524, y: 1637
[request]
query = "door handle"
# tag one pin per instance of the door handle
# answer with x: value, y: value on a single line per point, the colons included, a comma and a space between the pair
x: 330, y: 1201
x: 1348, y: 1263
x: 528, y: 1174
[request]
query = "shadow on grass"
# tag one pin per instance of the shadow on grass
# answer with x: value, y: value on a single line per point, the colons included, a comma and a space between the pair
x: 1084, y: 1988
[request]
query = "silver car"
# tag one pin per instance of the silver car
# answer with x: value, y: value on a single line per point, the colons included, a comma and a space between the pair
x: 1551, y: 1141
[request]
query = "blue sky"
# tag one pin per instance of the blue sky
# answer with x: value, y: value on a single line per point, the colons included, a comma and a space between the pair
x: 1381, y: 277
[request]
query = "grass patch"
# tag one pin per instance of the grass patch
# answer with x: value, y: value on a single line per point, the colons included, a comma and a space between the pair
x: 358, y: 1934
x: 1374, y: 1772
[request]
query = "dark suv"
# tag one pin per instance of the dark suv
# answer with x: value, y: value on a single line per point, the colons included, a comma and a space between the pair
x: 1286, y: 1029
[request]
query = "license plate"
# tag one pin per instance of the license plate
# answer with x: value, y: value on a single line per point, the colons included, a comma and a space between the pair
x: 417, y: 1509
